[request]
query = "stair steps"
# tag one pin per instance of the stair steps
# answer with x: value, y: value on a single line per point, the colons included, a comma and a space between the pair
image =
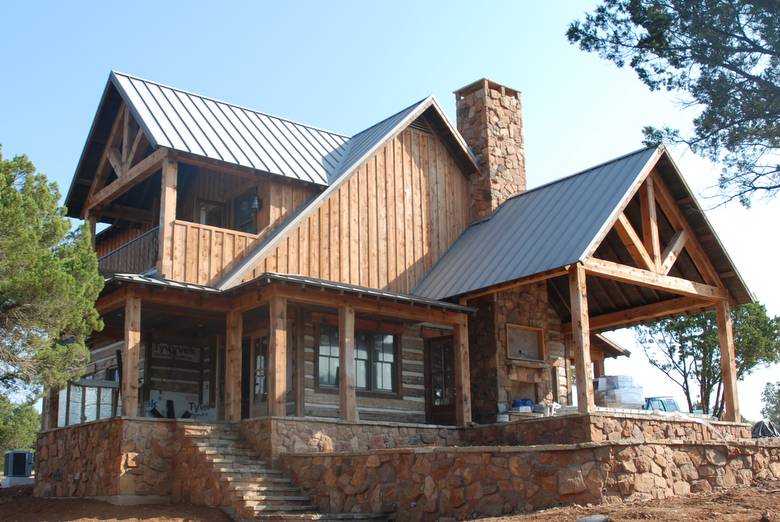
x: 255, y: 490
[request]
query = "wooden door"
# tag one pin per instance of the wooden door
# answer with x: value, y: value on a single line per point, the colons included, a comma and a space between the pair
x: 440, y: 381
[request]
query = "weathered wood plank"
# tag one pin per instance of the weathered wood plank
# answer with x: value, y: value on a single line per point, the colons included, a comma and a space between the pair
x: 578, y: 296
x: 277, y: 353
x: 347, y: 397
x: 460, y: 347
x: 728, y: 363
x: 131, y: 354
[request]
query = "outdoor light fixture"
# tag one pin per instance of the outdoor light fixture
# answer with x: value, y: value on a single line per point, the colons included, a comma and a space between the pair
x: 257, y: 204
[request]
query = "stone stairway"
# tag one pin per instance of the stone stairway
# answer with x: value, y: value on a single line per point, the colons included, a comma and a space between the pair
x: 252, y: 489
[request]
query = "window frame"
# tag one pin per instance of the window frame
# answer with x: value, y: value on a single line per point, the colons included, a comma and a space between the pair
x: 540, y: 334
x: 369, y: 391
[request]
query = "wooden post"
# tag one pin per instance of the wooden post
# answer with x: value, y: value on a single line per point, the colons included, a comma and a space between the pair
x: 347, y: 398
x: 233, y: 327
x: 728, y: 365
x: 598, y: 367
x: 460, y: 352
x: 300, y: 365
x: 51, y: 409
x: 277, y: 357
x: 580, y: 330
x: 91, y: 221
x: 131, y: 355
x: 167, y: 217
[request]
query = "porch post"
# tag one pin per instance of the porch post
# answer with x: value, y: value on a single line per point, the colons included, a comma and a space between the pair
x: 167, y: 217
x: 131, y: 355
x: 460, y: 347
x: 300, y: 365
x: 234, y: 325
x: 277, y: 357
x: 347, y: 397
x: 580, y: 329
x: 728, y: 366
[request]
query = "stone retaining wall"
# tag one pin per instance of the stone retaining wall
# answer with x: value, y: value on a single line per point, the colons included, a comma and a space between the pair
x: 430, y: 483
x: 107, y: 458
x: 273, y: 436
x: 657, y: 427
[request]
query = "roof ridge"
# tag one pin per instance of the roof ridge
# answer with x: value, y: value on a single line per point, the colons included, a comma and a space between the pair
x: 216, y: 100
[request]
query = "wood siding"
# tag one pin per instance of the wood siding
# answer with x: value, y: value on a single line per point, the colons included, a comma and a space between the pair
x: 112, y: 239
x: 387, y: 224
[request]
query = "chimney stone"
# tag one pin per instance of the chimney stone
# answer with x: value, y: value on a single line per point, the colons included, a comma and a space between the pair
x: 489, y: 117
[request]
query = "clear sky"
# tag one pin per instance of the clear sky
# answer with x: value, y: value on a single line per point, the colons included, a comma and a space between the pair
x: 345, y: 65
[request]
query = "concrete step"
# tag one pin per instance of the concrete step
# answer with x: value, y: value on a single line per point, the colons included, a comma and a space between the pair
x: 273, y: 497
x: 261, y: 481
x: 248, y: 471
x: 273, y: 488
x: 321, y: 517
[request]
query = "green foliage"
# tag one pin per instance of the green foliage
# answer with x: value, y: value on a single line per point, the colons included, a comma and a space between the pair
x: 19, y: 424
x: 48, y: 282
x: 771, y: 399
x: 724, y: 56
x: 687, y: 350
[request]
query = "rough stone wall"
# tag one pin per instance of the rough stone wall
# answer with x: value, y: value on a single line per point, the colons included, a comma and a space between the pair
x: 651, y: 428
x: 79, y: 461
x: 489, y: 116
x: 106, y: 458
x: 483, y: 361
x: 274, y: 436
x: 528, y: 306
x: 431, y: 483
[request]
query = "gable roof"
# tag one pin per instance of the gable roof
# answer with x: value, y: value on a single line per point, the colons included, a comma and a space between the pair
x: 359, y: 149
x: 558, y: 224
x: 535, y: 231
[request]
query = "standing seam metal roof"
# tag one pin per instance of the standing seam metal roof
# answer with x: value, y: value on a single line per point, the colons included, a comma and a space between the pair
x: 221, y: 131
x: 539, y: 230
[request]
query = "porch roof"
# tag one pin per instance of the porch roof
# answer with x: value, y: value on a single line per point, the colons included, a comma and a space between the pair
x: 296, y: 280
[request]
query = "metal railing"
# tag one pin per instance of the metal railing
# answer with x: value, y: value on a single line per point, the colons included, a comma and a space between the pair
x: 87, y: 401
x: 134, y: 257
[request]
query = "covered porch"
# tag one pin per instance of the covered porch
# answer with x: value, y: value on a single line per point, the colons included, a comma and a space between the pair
x: 279, y: 346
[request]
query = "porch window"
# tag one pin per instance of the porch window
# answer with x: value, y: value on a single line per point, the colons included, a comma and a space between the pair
x: 375, y: 360
x: 329, y: 356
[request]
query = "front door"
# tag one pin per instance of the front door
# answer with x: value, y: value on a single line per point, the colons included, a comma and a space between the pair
x: 440, y: 381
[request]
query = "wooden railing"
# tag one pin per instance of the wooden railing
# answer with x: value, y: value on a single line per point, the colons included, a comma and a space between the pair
x: 134, y: 257
x: 202, y: 253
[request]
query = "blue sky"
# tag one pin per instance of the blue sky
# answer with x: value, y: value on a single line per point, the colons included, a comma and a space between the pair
x: 343, y: 66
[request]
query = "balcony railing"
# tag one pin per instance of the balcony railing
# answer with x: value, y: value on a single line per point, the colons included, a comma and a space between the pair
x: 134, y: 257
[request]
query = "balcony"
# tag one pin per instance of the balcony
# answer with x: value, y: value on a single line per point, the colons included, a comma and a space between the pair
x: 137, y: 256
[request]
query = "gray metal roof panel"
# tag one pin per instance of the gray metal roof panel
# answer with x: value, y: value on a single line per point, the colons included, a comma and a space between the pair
x: 539, y: 230
x: 217, y: 130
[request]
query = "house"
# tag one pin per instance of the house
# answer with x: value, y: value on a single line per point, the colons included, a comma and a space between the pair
x: 283, y: 280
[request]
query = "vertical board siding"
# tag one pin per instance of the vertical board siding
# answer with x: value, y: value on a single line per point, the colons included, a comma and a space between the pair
x: 112, y: 239
x: 386, y: 225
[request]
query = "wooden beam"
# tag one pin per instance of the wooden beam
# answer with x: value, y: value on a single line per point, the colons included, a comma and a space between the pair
x: 640, y: 314
x: 101, y: 172
x: 650, y: 236
x: 694, y: 249
x: 139, y: 136
x: 672, y: 251
x: 637, y: 276
x: 165, y: 296
x: 277, y: 357
x: 536, y: 278
x: 125, y: 213
x: 52, y: 410
x: 368, y: 304
x: 114, y: 157
x: 125, y: 135
x: 233, y: 334
x: 300, y: 365
x: 347, y: 397
x: 633, y: 244
x: 578, y: 296
x: 460, y: 349
x: 728, y: 364
x: 131, y: 355
x: 145, y: 168
x: 167, y: 217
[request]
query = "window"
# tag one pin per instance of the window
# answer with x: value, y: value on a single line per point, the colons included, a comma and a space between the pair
x: 375, y: 360
x: 329, y: 356
x: 245, y: 209
x: 211, y: 213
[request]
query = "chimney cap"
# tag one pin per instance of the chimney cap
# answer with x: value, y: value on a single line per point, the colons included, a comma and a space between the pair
x: 485, y: 82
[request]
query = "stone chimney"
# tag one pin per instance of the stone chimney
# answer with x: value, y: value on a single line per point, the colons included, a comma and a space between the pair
x: 490, y: 120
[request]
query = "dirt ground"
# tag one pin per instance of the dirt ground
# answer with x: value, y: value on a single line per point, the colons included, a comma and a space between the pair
x: 760, y: 504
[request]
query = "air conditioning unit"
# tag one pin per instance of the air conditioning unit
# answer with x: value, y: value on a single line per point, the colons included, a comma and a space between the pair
x: 18, y: 468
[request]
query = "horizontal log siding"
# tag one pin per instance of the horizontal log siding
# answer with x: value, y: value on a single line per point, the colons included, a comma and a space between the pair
x: 408, y: 407
x: 386, y: 225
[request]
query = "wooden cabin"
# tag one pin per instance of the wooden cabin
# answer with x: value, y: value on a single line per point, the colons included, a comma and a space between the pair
x: 259, y: 267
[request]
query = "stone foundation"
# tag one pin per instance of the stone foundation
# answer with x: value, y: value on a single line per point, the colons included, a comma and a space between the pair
x: 430, y: 483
